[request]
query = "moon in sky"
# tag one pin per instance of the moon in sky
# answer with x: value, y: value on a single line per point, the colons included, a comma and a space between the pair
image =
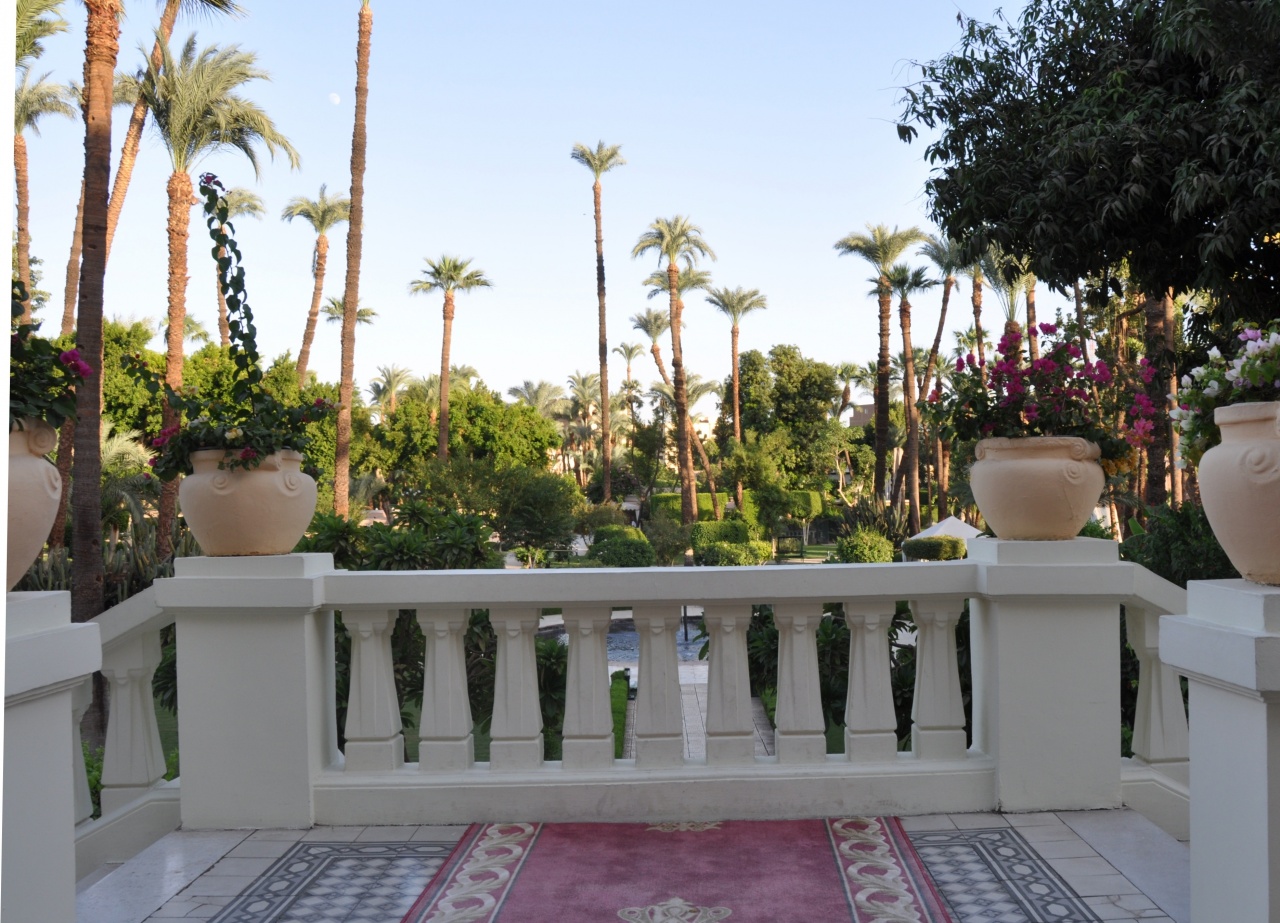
x: 335, y: 98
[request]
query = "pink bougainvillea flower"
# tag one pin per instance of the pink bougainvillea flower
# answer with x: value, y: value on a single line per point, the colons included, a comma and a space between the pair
x: 247, y: 453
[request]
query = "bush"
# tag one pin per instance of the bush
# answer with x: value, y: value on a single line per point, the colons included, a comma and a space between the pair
x: 935, y: 548
x: 670, y: 504
x: 788, y: 546
x: 668, y: 538
x: 864, y: 546
x: 623, y: 552
x: 1095, y: 529
x: 610, y: 532
x: 730, y: 554
x: 733, y: 531
x: 1179, y: 546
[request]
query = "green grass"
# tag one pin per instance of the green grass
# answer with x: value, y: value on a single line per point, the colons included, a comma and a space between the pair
x: 619, y: 688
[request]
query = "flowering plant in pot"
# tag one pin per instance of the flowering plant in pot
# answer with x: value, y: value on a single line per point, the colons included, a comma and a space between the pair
x: 42, y: 380
x: 1083, y: 425
x: 1228, y: 416
x: 217, y: 441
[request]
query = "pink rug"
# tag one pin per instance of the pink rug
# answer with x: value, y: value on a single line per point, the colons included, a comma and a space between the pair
x: 859, y: 869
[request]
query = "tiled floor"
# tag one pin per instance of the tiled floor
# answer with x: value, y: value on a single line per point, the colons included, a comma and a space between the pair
x: 1075, y: 867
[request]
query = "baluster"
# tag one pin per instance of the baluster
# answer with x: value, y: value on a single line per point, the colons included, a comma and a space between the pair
x: 132, y: 758
x: 801, y: 731
x: 446, y: 742
x: 588, y: 717
x: 81, y: 699
x: 1159, y: 721
x: 730, y: 730
x: 871, y: 725
x: 659, y: 716
x: 516, y: 732
x: 373, y: 729
x: 938, y: 709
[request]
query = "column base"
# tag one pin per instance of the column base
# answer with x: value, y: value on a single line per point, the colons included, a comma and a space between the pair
x: 870, y: 746
x: 799, y: 747
x: 447, y: 755
x: 735, y: 750
x: 374, y: 755
x: 515, y: 755
x: 938, y: 743
x: 659, y: 752
x: 588, y: 753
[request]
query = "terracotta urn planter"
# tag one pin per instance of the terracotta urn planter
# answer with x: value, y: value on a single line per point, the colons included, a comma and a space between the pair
x: 264, y: 510
x: 35, y: 487
x: 1240, y: 488
x: 1037, y: 488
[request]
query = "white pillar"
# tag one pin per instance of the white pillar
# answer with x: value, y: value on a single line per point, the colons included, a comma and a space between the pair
x: 253, y: 674
x: 1159, y: 721
x: 373, y: 729
x: 659, y: 715
x: 132, y: 757
x: 730, y: 730
x: 937, y: 709
x: 446, y: 741
x: 801, y: 731
x: 516, y: 732
x: 1228, y: 647
x: 1044, y: 639
x: 46, y: 658
x: 870, y: 722
x: 588, y: 716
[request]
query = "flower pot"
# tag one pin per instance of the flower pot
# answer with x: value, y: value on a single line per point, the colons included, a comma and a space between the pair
x: 1038, y: 488
x: 1240, y: 488
x: 35, y: 487
x: 238, y: 511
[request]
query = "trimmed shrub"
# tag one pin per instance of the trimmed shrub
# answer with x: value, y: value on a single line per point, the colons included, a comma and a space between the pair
x: 729, y: 554
x: 608, y: 533
x: 864, y: 546
x: 734, y: 531
x: 670, y: 504
x: 934, y: 548
x: 623, y: 552
x: 668, y: 538
x: 788, y: 546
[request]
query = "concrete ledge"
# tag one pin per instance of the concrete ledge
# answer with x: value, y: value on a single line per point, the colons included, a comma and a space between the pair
x: 763, y: 791
x: 1163, y: 800
x: 127, y: 831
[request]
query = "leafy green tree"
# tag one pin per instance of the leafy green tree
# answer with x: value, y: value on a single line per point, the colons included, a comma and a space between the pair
x: 485, y: 427
x: 323, y: 213
x: 881, y: 248
x: 534, y: 508
x: 125, y: 400
x: 449, y: 274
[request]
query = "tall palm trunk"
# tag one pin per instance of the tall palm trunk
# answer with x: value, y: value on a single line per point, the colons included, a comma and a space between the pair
x: 24, y: 220
x: 304, y: 354
x: 737, y: 410
x: 442, y: 443
x: 67, y: 433
x: 351, y: 296
x: 932, y: 364
x: 179, y: 229
x: 680, y: 393
x: 977, y: 325
x: 662, y: 369
x: 102, y: 44
x: 133, y: 135
x: 72, y: 285
x: 605, y: 450
x: 911, y: 453
x: 1033, y: 330
x: 1158, y: 312
x: 694, y: 439
x: 882, y: 389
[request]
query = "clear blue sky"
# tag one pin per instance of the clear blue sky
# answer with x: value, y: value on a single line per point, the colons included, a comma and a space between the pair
x: 770, y: 125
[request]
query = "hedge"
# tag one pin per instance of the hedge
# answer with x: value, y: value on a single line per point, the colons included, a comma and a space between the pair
x: 727, y: 554
x: 865, y: 546
x: 605, y: 533
x: 735, y: 531
x: 671, y: 504
x: 623, y: 552
x: 934, y: 548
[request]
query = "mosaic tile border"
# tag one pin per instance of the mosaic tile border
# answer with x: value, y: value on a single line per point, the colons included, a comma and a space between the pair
x: 1002, y: 864
x: 309, y: 869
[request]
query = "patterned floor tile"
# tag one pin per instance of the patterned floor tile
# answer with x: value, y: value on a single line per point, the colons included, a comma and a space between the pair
x: 317, y: 882
x: 994, y: 876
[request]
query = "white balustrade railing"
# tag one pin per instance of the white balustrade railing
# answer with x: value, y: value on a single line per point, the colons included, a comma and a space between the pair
x: 259, y: 740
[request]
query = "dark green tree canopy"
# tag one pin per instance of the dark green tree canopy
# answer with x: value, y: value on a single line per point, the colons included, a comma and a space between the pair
x: 1091, y: 132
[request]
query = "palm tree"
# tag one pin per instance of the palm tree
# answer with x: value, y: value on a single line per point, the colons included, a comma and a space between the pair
x: 976, y: 276
x: 948, y: 257
x: 355, y: 248
x: 600, y: 161
x: 387, y: 388
x: 133, y: 135
x: 697, y: 390
x: 733, y: 304
x: 543, y: 396
x: 323, y: 214
x: 449, y: 274
x: 197, y: 109
x: 240, y: 201
x: 906, y: 282
x: 688, y: 279
x: 584, y: 396
x: 1009, y: 278
x: 629, y: 352
x: 31, y: 103
x: 334, y: 311
x: 679, y: 241
x: 881, y: 248
x: 36, y: 21
x: 654, y: 324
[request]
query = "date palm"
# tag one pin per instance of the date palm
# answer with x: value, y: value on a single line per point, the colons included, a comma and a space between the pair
x: 654, y: 324
x: 907, y: 282
x: 881, y: 248
x: 387, y: 388
x: 600, y: 161
x: 449, y: 274
x: 697, y: 390
x: 355, y: 249
x: 133, y: 134
x: 37, y: 20
x: 32, y: 101
x: 334, y: 310
x: 734, y: 304
x: 948, y: 258
x: 543, y: 396
x: 584, y: 397
x: 240, y: 201
x: 678, y: 240
x: 323, y: 213
x: 197, y: 109
x: 629, y: 352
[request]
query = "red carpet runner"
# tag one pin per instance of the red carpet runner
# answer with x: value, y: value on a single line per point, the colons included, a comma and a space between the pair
x: 860, y: 869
